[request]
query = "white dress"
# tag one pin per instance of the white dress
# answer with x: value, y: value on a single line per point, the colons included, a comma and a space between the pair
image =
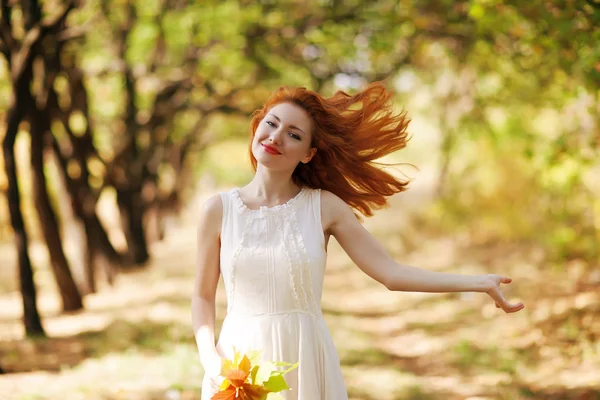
x: 273, y: 264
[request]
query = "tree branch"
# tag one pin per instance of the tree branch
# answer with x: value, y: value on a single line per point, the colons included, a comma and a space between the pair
x: 6, y: 30
x: 32, y: 38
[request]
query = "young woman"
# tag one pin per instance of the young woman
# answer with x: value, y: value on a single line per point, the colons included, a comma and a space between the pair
x: 314, y: 162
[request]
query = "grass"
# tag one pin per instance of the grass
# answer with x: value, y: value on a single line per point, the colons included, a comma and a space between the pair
x: 469, y: 358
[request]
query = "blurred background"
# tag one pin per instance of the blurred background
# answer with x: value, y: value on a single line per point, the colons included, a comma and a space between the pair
x: 119, y: 117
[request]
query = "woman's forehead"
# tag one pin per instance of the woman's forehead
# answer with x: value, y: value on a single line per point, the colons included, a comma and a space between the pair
x: 291, y: 114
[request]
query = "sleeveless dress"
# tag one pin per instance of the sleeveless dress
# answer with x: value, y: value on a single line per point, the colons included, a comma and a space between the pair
x: 273, y: 262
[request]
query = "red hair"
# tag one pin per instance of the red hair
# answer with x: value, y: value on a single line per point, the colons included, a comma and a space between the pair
x: 348, y: 141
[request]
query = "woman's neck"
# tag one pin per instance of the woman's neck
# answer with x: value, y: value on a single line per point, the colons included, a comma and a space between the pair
x: 269, y: 189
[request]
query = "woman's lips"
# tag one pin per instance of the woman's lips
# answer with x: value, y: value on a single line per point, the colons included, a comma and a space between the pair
x: 270, y: 149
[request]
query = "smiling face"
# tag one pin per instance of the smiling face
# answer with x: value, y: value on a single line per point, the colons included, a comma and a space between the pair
x: 283, y: 137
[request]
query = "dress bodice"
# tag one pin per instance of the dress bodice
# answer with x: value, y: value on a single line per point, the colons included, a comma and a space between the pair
x: 273, y: 259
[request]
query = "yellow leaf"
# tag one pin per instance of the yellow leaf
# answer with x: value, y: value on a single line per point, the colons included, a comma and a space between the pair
x: 245, y: 365
x: 224, y: 385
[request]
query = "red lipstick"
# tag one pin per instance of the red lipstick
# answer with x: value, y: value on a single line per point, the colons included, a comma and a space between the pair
x: 270, y: 149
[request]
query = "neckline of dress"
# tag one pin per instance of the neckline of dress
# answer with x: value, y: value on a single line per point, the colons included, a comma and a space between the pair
x: 264, y: 209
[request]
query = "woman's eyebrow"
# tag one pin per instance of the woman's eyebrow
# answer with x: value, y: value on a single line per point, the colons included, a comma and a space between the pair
x: 291, y: 126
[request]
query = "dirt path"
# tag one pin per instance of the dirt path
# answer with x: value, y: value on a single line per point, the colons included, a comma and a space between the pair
x: 134, y: 339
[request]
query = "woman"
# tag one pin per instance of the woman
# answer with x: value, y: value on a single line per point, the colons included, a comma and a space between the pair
x: 313, y: 158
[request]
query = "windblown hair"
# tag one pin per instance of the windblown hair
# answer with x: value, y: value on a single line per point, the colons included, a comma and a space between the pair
x: 348, y: 141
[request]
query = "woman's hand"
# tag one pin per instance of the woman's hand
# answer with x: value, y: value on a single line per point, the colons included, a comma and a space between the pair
x: 213, y: 365
x: 212, y: 369
x: 492, y: 288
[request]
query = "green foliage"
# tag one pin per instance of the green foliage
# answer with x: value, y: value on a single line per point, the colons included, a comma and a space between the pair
x: 513, y: 88
x: 227, y: 163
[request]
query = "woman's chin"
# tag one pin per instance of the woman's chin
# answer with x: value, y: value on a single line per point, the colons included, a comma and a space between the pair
x: 271, y: 164
x: 268, y: 163
x: 265, y: 158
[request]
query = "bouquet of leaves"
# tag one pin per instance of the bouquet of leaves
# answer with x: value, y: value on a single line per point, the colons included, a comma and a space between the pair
x: 248, y: 378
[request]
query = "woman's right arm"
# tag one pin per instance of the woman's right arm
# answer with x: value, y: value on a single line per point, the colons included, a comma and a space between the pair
x: 205, y: 284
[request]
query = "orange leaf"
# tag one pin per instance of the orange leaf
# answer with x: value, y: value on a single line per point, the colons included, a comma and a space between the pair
x: 227, y: 394
x: 254, y: 392
x: 237, y: 377
x: 243, y: 396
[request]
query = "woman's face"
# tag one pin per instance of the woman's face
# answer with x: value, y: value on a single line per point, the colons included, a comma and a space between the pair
x: 283, y: 137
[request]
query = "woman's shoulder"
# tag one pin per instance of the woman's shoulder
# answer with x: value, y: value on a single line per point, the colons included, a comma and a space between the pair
x: 213, y: 204
x: 211, y: 212
x: 333, y: 209
x: 329, y: 199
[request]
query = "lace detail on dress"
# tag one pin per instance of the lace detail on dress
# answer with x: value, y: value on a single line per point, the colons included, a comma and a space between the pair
x: 234, y: 258
x: 305, y: 284
x: 290, y: 264
x: 296, y: 272
x: 241, y: 207
x: 300, y: 277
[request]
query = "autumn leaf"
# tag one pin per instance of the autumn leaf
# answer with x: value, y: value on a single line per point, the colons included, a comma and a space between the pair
x: 245, y: 381
x: 237, y: 377
x: 225, y: 395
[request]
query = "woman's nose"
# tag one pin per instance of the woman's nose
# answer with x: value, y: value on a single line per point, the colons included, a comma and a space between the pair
x: 275, y: 136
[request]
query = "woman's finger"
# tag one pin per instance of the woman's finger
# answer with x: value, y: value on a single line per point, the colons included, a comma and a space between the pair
x: 496, y: 294
x: 502, y: 303
x: 511, y: 308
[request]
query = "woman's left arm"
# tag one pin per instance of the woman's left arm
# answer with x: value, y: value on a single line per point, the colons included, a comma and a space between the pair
x: 373, y: 259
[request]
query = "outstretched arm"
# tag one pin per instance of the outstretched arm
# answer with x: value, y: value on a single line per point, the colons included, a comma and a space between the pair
x: 373, y: 259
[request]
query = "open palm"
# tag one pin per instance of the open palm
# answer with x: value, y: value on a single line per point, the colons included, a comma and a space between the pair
x: 494, y: 291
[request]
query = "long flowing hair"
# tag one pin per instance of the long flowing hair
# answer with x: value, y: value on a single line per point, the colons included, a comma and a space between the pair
x: 350, y: 133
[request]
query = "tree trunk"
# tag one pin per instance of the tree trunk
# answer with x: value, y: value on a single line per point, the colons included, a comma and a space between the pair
x: 82, y: 197
x: 31, y: 316
x: 129, y: 192
x: 84, y: 206
x: 71, y: 298
x: 131, y: 207
x: 155, y: 231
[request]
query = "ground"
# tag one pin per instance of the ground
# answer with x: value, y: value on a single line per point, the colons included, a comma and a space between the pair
x: 134, y: 339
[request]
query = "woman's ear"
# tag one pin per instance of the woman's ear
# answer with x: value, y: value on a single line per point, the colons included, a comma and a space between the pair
x: 310, y: 155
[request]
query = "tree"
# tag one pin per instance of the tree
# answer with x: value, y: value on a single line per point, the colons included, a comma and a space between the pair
x: 41, y: 139
x: 20, y: 54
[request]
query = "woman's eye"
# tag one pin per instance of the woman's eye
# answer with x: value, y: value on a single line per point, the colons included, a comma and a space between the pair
x: 295, y: 136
